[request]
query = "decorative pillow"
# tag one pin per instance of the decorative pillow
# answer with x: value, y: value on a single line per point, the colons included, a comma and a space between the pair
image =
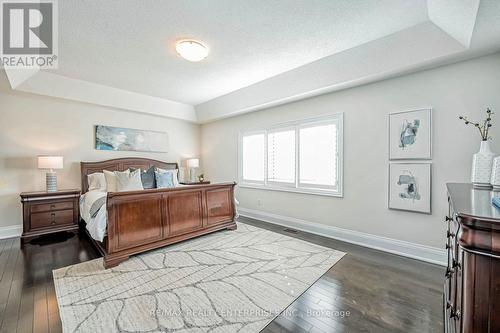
x: 128, y: 181
x: 111, y: 180
x: 148, y: 177
x: 164, y: 179
x: 96, y: 181
x: 174, y: 173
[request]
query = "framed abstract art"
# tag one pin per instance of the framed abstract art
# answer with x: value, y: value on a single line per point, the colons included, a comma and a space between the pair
x: 410, y: 187
x: 128, y: 139
x: 410, y: 135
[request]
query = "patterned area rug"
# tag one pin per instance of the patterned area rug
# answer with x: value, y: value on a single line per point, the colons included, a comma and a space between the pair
x: 228, y: 281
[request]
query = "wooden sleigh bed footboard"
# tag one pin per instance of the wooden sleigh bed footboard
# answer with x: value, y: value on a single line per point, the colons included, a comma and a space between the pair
x: 138, y: 221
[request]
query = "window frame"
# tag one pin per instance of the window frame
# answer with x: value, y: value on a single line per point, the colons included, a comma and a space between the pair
x: 297, y: 187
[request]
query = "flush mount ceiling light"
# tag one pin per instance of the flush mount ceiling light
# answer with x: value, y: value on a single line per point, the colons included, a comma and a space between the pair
x: 191, y: 50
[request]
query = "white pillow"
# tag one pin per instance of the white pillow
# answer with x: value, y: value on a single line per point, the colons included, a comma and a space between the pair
x: 128, y: 181
x: 175, y: 175
x: 111, y: 180
x: 96, y: 181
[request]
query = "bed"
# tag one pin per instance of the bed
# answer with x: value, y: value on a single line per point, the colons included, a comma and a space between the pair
x: 138, y: 221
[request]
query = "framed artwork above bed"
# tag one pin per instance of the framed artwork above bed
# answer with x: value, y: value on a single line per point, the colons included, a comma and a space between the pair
x: 128, y: 139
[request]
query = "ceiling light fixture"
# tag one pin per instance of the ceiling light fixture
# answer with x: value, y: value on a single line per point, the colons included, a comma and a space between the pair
x: 191, y: 50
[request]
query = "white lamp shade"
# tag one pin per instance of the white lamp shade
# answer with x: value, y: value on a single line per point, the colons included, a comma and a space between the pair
x: 50, y: 162
x: 193, y: 163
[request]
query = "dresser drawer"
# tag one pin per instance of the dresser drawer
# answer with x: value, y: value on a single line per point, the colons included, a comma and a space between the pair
x: 49, y: 219
x: 47, y: 207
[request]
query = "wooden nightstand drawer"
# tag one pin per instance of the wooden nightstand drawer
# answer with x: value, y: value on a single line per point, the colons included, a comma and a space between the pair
x: 47, y: 207
x: 49, y: 219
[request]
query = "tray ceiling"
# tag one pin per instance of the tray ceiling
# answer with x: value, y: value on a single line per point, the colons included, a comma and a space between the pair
x: 261, y: 52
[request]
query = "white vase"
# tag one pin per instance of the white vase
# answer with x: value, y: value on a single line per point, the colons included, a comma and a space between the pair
x: 481, y: 165
x: 495, y: 173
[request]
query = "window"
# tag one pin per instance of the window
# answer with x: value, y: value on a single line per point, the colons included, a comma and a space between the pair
x: 303, y: 156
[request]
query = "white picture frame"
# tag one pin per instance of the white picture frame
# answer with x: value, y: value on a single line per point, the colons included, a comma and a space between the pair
x: 410, y: 135
x: 410, y: 187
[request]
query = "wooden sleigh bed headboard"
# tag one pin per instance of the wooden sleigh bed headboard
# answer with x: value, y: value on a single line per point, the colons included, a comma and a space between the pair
x: 120, y: 164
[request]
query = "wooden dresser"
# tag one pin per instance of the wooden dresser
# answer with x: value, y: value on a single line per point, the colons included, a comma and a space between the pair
x: 48, y: 212
x: 472, y: 287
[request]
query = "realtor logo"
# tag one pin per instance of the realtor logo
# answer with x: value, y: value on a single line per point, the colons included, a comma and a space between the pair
x: 29, y: 34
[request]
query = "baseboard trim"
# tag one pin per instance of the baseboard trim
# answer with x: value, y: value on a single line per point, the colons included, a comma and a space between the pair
x: 11, y: 231
x: 407, y: 249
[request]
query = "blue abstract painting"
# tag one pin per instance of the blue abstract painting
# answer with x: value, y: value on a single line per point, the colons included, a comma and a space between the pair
x: 127, y: 139
x: 410, y: 135
x: 409, y: 130
x: 410, y: 187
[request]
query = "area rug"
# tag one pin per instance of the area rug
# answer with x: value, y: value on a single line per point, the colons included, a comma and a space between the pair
x: 228, y: 281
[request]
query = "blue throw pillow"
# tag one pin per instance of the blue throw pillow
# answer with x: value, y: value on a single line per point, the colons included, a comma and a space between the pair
x: 164, y: 179
x: 148, y: 178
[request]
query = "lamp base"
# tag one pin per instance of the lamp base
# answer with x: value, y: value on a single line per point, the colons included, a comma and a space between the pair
x: 192, y: 175
x: 51, y: 181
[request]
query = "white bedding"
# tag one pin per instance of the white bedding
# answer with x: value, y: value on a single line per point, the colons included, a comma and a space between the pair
x: 96, y: 226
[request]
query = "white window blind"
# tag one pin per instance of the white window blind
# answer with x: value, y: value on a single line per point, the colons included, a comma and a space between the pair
x: 281, y: 156
x: 302, y: 156
x: 253, y: 158
x: 318, y: 155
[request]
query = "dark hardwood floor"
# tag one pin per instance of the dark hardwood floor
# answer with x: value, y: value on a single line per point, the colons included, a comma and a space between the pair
x: 27, y: 295
x: 379, y: 291
x: 367, y: 291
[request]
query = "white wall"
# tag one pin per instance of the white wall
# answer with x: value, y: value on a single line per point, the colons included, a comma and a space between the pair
x: 463, y: 88
x: 32, y: 125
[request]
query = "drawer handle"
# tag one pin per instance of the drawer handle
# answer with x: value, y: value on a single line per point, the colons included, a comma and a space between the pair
x: 447, y: 246
x: 448, y: 273
x: 53, y: 216
x: 52, y: 206
x: 455, y: 314
x: 450, y: 234
x: 448, y: 219
x: 455, y: 264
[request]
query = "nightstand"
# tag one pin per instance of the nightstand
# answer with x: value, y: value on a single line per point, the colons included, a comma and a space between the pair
x: 205, y: 182
x: 48, y: 212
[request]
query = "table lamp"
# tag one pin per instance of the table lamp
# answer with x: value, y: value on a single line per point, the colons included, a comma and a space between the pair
x: 50, y: 163
x: 192, y: 163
